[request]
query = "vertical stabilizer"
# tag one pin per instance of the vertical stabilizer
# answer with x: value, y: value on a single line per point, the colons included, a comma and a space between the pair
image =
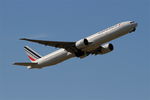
x: 33, y: 56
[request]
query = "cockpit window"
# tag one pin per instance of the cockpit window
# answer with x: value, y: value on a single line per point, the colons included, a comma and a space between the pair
x: 132, y: 22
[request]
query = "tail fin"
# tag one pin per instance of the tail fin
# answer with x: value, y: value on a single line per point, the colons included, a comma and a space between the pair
x: 33, y: 56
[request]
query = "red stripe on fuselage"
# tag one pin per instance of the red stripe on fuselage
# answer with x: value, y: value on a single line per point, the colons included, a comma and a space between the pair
x: 31, y: 58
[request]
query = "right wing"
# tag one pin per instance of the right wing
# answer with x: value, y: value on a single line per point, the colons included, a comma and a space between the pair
x: 69, y: 46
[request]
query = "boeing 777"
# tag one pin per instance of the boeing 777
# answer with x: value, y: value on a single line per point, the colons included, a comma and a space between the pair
x: 95, y: 44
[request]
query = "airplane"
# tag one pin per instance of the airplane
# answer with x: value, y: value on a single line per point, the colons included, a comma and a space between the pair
x: 95, y: 44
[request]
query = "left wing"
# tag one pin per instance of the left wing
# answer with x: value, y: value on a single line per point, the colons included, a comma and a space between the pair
x: 69, y: 46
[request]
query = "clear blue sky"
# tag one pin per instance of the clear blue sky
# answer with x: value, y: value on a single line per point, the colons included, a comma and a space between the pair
x: 123, y: 74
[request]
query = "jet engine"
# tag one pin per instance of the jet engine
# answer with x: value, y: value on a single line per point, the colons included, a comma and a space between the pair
x: 81, y: 43
x: 104, y: 49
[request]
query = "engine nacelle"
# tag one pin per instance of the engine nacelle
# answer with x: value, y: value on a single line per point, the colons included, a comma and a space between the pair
x: 82, y: 43
x: 106, y: 48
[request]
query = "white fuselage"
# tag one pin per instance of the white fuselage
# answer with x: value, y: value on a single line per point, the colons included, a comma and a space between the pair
x: 96, y: 40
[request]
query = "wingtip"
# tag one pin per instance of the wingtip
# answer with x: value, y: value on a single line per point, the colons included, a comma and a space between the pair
x: 22, y: 39
x: 14, y: 63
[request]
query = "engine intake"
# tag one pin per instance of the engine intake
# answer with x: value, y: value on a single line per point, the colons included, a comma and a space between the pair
x: 82, y: 43
x: 104, y: 49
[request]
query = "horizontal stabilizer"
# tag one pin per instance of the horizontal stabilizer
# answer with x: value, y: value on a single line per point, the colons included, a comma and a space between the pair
x: 25, y: 64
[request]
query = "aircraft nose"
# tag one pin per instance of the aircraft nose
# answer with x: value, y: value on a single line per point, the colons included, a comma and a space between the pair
x: 134, y: 23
